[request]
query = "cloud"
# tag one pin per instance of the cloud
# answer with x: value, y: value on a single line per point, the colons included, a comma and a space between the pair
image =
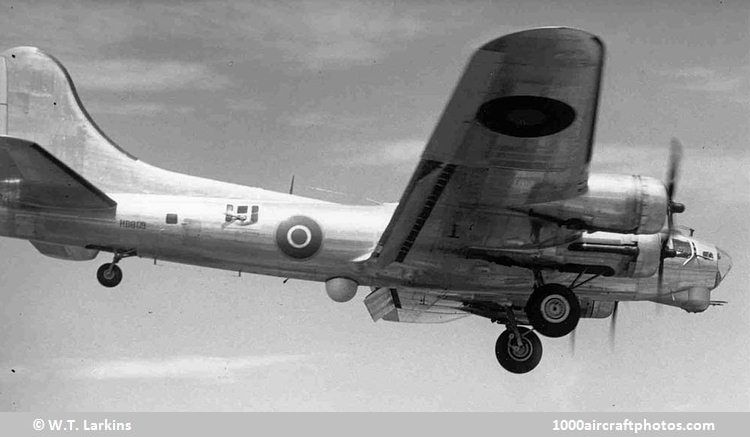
x: 82, y: 24
x: 403, y: 152
x: 142, y: 75
x: 187, y: 367
x: 616, y: 157
x: 139, y: 108
x: 705, y: 79
x: 337, y: 35
x: 244, y: 104
x: 314, y: 118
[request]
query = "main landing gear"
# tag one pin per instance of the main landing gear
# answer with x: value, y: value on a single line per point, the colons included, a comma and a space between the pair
x: 518, y: 349
x: 109, y: 274
x: 553, y: 310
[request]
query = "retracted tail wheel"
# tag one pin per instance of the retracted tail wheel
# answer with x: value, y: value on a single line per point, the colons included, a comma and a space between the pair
x: 518, y: 358
x: 553, y: 310
x: 109, y: 275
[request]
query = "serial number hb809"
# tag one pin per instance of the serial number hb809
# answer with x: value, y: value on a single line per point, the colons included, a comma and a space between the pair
x: 132, y: 224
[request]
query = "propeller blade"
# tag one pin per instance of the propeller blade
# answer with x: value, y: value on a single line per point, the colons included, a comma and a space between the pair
x: 573, y: 343
x: 660, y: 274
x: 675, y: 157
x: 613, y: 326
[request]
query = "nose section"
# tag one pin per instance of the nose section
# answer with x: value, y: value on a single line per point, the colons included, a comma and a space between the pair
x: 724, y: 263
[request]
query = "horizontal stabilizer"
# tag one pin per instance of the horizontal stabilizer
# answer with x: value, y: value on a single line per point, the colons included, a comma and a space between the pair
x: 30, y: 177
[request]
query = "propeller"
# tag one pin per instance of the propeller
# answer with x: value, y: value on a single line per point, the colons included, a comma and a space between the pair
x: 675, y: 156
x: 670, y: 184
x: 613, y: 326
x: 573, y: 343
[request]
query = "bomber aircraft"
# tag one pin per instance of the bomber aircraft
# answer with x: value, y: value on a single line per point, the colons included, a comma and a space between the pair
x: 501, y: 218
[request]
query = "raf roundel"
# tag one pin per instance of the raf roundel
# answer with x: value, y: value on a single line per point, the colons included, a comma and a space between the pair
x: 299, y: 237
x: 525, y: 116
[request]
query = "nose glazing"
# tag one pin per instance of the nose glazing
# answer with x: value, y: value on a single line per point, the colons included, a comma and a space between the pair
x: 724, y: 263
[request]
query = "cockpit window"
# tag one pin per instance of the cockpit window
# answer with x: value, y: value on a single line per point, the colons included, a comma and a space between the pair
x: 683, y: 248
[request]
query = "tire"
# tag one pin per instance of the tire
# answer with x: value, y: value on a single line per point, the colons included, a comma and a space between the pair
x: 517, y: 360
x: 553, y: 310
x: 109, y: 279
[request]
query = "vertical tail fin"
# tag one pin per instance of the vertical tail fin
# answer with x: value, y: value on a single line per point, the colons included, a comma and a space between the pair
x: 40, y: 104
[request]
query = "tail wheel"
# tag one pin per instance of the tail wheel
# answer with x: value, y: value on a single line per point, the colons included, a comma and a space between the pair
x: 109, y: 275
x: 553, y: 310
x: 515, y: 357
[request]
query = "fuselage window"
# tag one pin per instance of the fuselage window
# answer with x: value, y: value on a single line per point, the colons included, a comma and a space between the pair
x: 254, y: 214
x: 171, y: 219
x: 682, y: 248
x: 242, y: 209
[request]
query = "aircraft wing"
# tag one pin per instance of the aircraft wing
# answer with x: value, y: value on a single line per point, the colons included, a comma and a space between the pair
x: 31, y: 177
x: 517, y: 130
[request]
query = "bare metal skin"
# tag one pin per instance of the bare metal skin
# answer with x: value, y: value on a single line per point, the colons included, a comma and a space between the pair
x: 500, y: 205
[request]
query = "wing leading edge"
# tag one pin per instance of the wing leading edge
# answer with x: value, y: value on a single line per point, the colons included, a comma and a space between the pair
x: 518, y: 129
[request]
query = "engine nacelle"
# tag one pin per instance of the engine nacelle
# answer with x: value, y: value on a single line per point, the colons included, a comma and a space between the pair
x: 616, y: 203
x: 649, y: 255
x: 628, y: 255
x: 341, y: 289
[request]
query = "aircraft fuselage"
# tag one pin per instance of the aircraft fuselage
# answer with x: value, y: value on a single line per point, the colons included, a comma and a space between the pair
x: 197, y: 231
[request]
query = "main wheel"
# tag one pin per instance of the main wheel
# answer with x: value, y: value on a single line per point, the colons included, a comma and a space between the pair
x: 515, y: 358
x: 553, y: 310
x: 109, y: 275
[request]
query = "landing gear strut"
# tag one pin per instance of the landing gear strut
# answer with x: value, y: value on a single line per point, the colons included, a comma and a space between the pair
x: 517, y: 349
x: 109, y: 274
x: 553, y: 310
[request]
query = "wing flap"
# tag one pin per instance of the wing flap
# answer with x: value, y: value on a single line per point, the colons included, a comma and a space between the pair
x: 380, y: 303
x: 407, y: 305
x: 31, y: 177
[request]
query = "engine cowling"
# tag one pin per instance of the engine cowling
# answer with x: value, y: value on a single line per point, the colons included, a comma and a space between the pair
x: 341, y: 289
x: 628, y: 255
x: 649, y: 255
x: 615, y: 203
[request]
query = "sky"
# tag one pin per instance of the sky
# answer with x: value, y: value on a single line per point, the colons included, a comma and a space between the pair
x: 344, y: 95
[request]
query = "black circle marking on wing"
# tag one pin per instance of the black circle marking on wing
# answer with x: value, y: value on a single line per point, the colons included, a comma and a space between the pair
x: 525, y: 116
x: 299, y: 237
